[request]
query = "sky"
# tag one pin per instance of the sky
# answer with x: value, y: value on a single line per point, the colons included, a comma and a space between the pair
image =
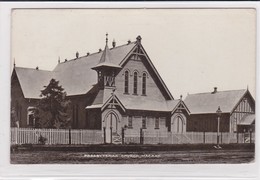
x: 193, y: 50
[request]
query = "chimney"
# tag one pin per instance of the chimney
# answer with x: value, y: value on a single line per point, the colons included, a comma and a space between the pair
x: 37, y: 68
x: 114, y: 43
x: 88, y: 53
x: 100, y: 50
x: 138, y: 39
x: 129, y: 41
x: 65, y: 60
x: 77, y: 54
x: 215, y: 90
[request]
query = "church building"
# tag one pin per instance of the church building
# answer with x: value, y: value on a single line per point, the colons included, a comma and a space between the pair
x: 115, y: 88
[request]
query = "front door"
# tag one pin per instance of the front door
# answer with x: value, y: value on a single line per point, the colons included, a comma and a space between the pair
x: 111, y: 127
x: 177, y: 125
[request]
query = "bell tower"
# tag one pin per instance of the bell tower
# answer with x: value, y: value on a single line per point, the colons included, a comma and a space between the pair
x: 106, y: 69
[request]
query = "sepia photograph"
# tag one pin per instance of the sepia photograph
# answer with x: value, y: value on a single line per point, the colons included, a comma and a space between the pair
x: 133, y: 86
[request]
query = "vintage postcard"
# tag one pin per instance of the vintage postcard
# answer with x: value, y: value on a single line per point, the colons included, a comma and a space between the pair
x: 133, y: 86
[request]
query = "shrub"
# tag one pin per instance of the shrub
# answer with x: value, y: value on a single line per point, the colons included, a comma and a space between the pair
x: 42, y: 140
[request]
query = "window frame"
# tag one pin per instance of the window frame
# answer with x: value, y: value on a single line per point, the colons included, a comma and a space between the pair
x: 135, y: 83
x: 144, y: 81
x: 157, y: 123
x: 126, y: 85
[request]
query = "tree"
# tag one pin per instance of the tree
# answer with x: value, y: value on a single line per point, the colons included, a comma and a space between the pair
x: 52, y: 109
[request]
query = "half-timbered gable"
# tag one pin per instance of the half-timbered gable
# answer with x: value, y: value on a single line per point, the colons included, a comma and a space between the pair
x: 239, y: 118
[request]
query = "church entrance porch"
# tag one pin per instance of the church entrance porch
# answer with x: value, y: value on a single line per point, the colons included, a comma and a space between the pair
x: 178, y: 124
x: 112, y: 128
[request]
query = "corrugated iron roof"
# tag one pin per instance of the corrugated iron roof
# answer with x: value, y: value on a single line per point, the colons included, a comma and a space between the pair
x: 135, y: 102
x: 32, y: 81
x: 247, y: 119
x: 203, y: 103
x: 146, y: 103
x: 77, y: 77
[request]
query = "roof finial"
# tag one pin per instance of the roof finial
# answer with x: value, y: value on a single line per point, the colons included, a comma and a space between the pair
x: 14, y: 62
x: 114, y: 43
x: 59, y: 60
x: 106, y: 38
x: 247, y: 87
x: 138, y: 39
x: 180, y: 97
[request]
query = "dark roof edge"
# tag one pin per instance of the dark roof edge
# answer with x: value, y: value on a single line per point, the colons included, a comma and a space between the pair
x: 32, y: 69
x: 73, y: 59
x: 216, y: 92
x: 158, y: 75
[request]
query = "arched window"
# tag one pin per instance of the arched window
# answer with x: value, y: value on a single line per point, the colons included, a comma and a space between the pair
x: 126, y: 82
x: 144, y: 84
x: 135, y: 82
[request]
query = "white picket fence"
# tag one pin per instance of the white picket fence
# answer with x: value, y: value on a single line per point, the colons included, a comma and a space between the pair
x: 158, y: 137
x: 83, y: 136
x: 55, y: 136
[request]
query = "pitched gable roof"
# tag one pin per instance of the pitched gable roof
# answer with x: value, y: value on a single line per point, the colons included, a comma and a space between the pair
x: 77, y: 77
x: 203, y: 103
x: 32, y: 81
x: 167, y: 94
x: 178, y: 104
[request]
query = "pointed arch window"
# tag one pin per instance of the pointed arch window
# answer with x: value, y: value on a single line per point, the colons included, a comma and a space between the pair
x: 144, y: 84
x: 126, y: 82
x: 135, y: 82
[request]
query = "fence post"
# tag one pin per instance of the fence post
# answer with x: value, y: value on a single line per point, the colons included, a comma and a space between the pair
x: 80, y: 132
x: 123, y: 135
x: 237, y: 137
x: 104, y: 128
x: 69, y: 136
x: 111, y: 135
x: 141, y: 136
x: 158, y: 137
x: 221, y: 138
x: 204, y: 138
x: 15, y: 134
x: 244, y: 137
x: 250, y: 136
